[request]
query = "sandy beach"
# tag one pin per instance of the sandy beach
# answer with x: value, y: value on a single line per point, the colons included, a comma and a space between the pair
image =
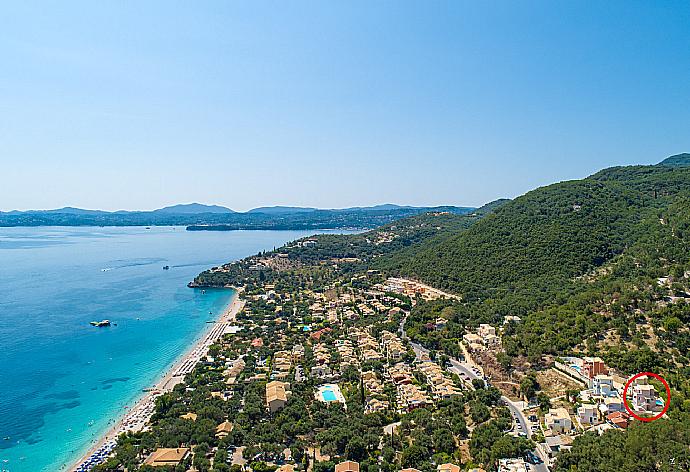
x: 137, y: 417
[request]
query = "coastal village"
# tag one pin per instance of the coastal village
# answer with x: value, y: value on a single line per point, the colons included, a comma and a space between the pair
x: 319, y: 369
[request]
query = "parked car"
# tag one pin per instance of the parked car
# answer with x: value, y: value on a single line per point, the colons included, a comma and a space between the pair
x: 532, y: 458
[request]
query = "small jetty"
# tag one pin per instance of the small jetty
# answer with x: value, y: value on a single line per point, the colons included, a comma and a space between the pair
x: 100, y: 324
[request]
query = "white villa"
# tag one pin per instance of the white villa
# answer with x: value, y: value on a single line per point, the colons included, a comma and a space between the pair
x: 644, y: 397
x: 558, y: 420
x: 588, y: 414
x: 602, y: 385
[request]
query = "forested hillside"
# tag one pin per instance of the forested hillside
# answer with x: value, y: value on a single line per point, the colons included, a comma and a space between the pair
x: 355, y: 252
x: 575, y: 259
x: 541, y: 242
x: 599, y: 266
x: 658, y: 446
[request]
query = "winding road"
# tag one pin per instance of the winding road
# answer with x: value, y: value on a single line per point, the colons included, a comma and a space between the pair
x: 465, y: 368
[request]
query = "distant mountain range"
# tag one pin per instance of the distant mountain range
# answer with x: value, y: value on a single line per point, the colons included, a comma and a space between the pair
x: 193, y: 209
x: 215, y: 217
x: 185, y: 209
x: 199, y: 208
x: 286, y: 210
x: 282, y: 210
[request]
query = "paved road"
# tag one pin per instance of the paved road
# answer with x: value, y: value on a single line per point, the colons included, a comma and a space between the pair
x: 459, y: 367
x: 465, y: 368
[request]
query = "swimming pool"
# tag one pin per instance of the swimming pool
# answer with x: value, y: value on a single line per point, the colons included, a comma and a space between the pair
x: 330, y: 393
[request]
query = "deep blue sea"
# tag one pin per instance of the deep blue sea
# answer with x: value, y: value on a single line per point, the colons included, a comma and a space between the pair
x: 63, y: 381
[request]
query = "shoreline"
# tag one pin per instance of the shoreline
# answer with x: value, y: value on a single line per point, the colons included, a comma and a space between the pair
x: 137, y: 417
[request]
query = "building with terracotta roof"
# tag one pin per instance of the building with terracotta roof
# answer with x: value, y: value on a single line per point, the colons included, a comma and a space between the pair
x: 593, y: 366
x: 410, y: 396
x: 316, y: 335
x: 167, y: 457
x: 347, y: 466
x: 276, y: 396
x: 619, y: 419
x: 448, y: 467
x: 224, y: 429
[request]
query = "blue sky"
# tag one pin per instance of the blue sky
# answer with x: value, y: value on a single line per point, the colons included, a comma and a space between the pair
x: 136, y: 105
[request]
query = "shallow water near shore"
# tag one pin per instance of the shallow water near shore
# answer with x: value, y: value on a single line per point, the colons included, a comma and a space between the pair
x: 64, y: 382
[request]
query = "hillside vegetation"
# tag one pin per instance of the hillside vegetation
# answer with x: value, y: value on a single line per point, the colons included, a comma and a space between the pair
x: 214, y: 218
x: 550, y: 236
x: 355, y: 252
x: 573, y: 258
x: 598, y: 266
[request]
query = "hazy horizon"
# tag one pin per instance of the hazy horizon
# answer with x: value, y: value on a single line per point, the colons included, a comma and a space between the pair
x: 231, y: 208
x: 134, y: 106
x: 269, y: 205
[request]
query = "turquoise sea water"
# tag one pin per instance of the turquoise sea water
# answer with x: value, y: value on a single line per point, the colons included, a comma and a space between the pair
x: 63, y: 381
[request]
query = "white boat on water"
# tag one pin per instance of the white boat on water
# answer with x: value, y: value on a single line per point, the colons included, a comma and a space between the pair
x: 100, y: 324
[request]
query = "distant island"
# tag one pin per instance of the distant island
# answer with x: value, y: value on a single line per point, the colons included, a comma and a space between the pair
x: 199, y: 217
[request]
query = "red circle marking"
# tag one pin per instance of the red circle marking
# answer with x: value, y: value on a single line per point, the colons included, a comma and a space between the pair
x: 666, y: 405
